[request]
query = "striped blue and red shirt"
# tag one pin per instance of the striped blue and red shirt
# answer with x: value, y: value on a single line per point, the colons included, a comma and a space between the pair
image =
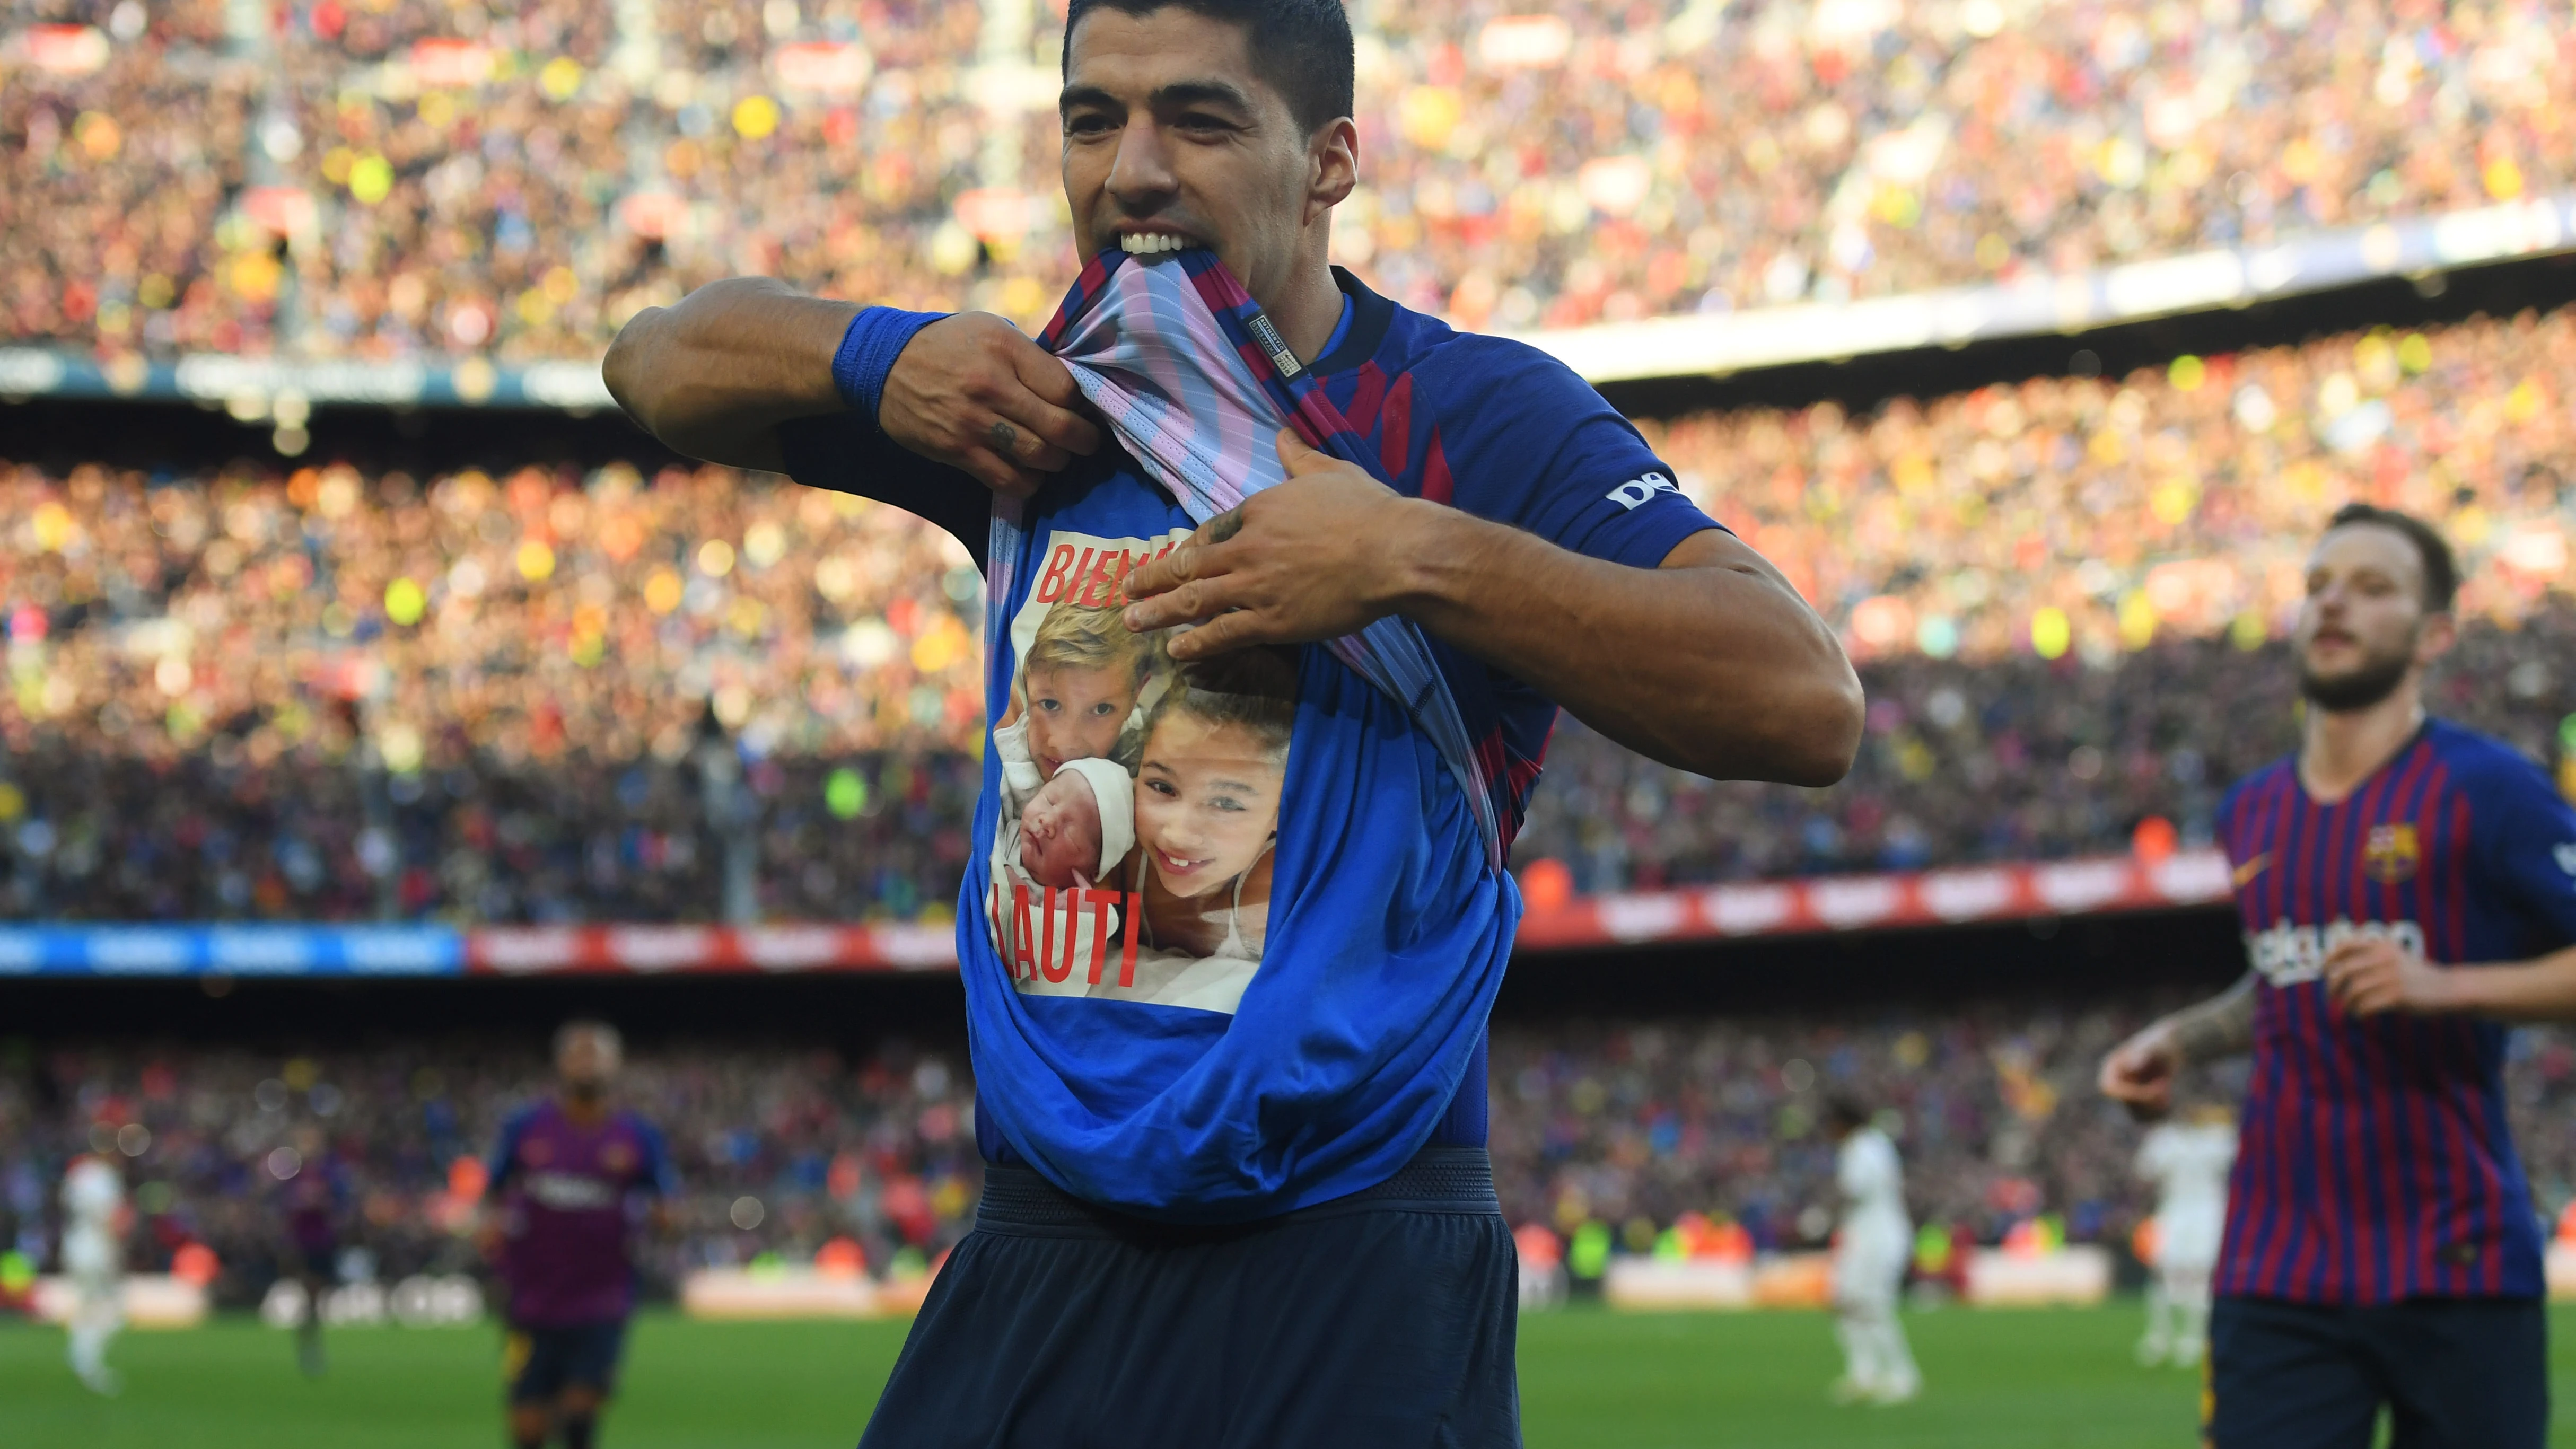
x: 2375, y: 1164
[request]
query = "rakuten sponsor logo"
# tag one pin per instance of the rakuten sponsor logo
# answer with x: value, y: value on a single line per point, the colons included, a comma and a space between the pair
x: 2288, y: 954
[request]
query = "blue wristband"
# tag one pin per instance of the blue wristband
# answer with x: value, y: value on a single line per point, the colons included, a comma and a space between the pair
x: 868, y: 350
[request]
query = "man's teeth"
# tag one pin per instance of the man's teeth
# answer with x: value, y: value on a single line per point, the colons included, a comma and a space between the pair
x: 1150, y: 243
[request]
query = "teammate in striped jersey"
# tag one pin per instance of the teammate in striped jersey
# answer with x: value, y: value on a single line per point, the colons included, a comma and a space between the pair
x: 2405, y: 886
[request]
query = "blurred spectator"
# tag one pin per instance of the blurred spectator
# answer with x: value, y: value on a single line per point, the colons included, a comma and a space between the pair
x: 392, y: 178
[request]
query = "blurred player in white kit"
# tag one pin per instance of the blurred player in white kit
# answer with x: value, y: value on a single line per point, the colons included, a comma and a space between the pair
x: 2189, y: 1164
x: 1871, y: 1250
x: 94, y: 1261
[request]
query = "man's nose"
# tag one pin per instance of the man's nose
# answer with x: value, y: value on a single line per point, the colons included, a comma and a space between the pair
x: 1141, y: 178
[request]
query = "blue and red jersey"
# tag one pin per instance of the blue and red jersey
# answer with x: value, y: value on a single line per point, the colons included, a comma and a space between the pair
x: 569, y: 1197
x: 2375, y: 1164
x: 1361, y: 1037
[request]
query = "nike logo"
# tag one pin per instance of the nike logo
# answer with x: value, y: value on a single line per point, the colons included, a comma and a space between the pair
x: 2243, y: 875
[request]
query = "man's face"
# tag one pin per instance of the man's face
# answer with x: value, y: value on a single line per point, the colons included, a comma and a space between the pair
x: 2362, y: 628
x: 586, y: 1061
x: 1168, y: 132
x: 1060, y: 834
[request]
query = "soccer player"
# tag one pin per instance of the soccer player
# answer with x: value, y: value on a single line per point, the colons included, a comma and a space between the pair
x: 1248, y: 1202
x: 94, y: 1261
x: 567, y: 1177
x: 2405, y: 886
x: 2188, y: 1163
x: 310, y: 1207
x: 1874, y: 1243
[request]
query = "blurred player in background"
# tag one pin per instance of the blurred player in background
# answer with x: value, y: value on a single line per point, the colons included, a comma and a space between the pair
x: 310, y: 1207
x: 1872, y: 1246
x: 569, y: 1178
x: 94, y: 1260
x: 2188, y: 1163
x: 2405, y: 886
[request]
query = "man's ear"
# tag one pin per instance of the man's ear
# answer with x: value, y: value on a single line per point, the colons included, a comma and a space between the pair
x: 2435, y: 638
x: 1332, y: 165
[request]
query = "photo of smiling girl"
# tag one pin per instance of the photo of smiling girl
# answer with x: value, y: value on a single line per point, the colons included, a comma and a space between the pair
x: 1208, y: 781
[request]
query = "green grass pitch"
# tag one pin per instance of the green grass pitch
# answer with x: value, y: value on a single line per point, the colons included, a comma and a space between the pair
x: 2036, y: 1379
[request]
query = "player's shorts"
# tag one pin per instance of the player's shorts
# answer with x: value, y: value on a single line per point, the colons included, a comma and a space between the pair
x: 539, y: 1363
x: 2456, y: 1373
x: 318, y: 1260
x: 1382, y: 1318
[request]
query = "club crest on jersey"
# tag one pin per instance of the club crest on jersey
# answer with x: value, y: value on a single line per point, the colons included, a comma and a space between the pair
x: 2391, y: 853
x: 2566, y: 855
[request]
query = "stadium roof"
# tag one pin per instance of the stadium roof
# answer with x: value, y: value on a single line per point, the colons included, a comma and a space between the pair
x: 1652, y: 348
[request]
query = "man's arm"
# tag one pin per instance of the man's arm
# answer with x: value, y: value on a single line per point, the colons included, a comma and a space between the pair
x: 2368, y: 977
x: 2139, y: 1073
x: 1710, y: 663
x: 716, y: 375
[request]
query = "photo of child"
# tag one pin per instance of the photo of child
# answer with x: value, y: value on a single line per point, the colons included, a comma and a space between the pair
x: 1133, y: 851
x: 1080, y: 683
x: 1208, y: 782
x: 1080, y: 827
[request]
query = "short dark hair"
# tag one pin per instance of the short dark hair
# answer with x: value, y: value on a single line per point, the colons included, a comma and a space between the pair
x: 1301, y: 47
x: 1846, y: 1112
x: 2441, y: 569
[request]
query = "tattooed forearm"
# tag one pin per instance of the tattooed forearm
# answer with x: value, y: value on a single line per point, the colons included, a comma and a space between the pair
x: 2219, y: 1027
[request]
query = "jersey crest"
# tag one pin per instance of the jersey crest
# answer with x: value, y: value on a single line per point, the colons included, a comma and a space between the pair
x: 2391, y: 853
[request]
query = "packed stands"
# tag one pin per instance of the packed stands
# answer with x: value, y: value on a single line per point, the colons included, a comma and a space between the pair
x: 1630, y: 1123
x: 387, y: 179
x: 488, y: 698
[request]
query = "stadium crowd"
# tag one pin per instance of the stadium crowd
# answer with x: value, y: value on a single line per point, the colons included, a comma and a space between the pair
x: 779, y: 1151
x: 556, y: 696
x: 391, y: 179
x: 1629, y: 1124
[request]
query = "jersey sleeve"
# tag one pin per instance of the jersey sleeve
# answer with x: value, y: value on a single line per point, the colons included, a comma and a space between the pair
x: 504, y: 1162
x: 1528, y: 443
x: 847, y: 454
x: 2527, y: 838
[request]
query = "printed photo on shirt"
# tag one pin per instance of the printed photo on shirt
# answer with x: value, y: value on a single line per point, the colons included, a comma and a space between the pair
x: 1139, y: 817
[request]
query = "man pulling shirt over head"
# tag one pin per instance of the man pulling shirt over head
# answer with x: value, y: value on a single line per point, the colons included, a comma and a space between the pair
x: 1231, y: 1083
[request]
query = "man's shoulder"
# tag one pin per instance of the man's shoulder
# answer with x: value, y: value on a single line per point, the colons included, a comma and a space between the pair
x: 1472, y: 369
x: 2478, y: 762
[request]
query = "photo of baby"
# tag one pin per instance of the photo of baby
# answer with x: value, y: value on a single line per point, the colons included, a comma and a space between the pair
x: 1133, y: 853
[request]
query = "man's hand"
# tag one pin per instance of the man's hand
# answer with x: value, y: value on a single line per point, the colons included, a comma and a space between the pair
x: 1316, y: 557
x: 972, y: 392
x: 2367, y: 976
x: 2139, y: 1073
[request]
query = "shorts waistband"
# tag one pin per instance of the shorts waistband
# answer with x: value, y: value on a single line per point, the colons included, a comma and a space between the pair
x: 1019, y: 1202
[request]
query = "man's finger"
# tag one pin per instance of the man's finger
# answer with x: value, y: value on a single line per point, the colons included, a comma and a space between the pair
x: 1170, y: 571
x: 1191, y: 603
x: 1044, y: 422
x: 999, y: 474
x: 1050, y: 408
x: 1299, y: 459
x: 1220, y: 635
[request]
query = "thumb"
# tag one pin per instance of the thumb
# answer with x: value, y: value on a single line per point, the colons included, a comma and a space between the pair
x: 1298, y: 458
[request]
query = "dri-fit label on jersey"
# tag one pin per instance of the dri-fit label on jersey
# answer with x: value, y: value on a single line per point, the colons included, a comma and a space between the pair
x: 1133, y: 851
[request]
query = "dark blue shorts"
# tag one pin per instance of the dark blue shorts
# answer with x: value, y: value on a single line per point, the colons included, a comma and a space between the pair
x: 1383, y: 1318
x: 540, y: 1363
x: 2455, y: 1373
